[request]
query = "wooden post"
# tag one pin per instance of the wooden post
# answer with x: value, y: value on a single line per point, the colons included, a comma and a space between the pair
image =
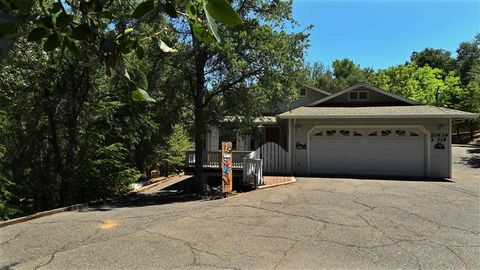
x: 227, y: 167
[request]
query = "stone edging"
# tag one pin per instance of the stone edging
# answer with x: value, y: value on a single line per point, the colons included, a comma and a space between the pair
x: 42, y: 214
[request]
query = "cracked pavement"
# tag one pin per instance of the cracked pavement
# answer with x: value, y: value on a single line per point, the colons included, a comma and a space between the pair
x: 313, y: 223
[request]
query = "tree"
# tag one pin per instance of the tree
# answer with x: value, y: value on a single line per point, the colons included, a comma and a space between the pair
x: 103, y: 30
x: 469, y: 98
x: 253, y: 56
x: 6, y: 208
x: 170, y: 156
x: 434, y: 58
x: 468, y: 56
x: 345, y: 73
x: 423, y: 84
x: 70, y: 85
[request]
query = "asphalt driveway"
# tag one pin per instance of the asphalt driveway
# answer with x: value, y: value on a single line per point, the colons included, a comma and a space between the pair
x: 313, y: 223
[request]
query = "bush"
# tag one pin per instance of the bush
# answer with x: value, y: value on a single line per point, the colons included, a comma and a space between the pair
x: 106, y: 174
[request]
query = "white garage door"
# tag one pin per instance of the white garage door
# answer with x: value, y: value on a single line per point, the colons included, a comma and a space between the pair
x: 382, y: 152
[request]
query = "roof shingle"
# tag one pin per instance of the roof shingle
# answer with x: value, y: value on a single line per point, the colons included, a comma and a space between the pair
x: 415, y: 111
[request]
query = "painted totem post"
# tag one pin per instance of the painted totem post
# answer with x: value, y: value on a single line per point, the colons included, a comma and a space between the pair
x: 227, y: 167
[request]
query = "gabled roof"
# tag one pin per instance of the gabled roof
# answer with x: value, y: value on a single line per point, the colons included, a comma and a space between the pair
x: 369, y: 87
x: 414, y: 111
x: 317, y: 89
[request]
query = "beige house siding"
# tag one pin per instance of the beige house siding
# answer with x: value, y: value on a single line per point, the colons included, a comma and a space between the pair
x: 212, y: 138
x: 439, y: 159
x: 311, y: 97
x: 373, y: 98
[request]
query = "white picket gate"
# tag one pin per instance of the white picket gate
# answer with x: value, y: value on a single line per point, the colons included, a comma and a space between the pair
x: 274, y: 158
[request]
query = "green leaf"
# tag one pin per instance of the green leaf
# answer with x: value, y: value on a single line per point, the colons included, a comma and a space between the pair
x: 140, y: 51
x: 56, y: 7
x: 37, y: 34
x: 164, y: 47
x: 127, y: 75
x: 22, y: 5
x: 170, y: 9
x: 142, y: 8
x: 47, y: 21
x: 53, y: 41
x: 107, y: 15
x: 7, y: 23
x: 192, y: 11
x: 223, y: 12
x: 200, y: 33
x: 81, y: 32
x: 140, y: 79
x: 125, y: 32
x: 126, y: 46
x: 5, y: 47
x: 64, y: 20
x: 212, y: 25
x: 71, y: 45
x: 141, y: 95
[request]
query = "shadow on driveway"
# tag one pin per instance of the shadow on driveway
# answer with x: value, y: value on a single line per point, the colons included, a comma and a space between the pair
x: 181, y: 191
x: 473, y: 160
x: 373, y: 177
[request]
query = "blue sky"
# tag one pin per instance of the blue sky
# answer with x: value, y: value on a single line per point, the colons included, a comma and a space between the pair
x: 383, y: 33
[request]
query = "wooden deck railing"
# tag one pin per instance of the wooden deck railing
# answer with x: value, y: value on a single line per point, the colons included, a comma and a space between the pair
x: 251, y: 165
x: 252, y: 171
x: 213, y: 159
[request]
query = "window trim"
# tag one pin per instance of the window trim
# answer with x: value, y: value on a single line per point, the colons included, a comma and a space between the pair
x: 304, y: 94
x: 357, y: 93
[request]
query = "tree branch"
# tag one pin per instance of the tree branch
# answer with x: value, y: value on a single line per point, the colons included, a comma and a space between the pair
x: 223, y: 88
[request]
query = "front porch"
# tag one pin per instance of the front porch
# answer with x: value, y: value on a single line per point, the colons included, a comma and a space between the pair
x: 248, y: 166
x: 213, y: 159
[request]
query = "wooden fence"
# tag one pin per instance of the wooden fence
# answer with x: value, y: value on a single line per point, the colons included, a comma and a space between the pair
x: 274, y: 158
x: 252, y: 171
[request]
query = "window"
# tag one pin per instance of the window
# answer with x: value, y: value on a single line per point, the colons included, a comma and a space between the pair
x: 303, y: 92
x: 400, y: 133
x: 362, y: 95
x: 373, y: 134
x: 330, y: 132
x: 386, y: 132
x: 320, y: 133
x: 358, y: 95
x: 355, y: 133
x: 345, y: 132
x: 413, y: 134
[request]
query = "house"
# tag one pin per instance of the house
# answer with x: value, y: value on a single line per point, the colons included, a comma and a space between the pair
x: 361, y: 131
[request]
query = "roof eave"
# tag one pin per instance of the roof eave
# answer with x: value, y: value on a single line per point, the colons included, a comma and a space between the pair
x: 317, y: 89
x: 446, y: 116
x: 371, y: 87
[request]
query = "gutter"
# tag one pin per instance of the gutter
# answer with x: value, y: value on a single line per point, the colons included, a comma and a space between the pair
x: 455, y: 116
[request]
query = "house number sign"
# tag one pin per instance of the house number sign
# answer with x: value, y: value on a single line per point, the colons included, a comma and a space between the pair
x: 439, y: 140
x: 226, y: 167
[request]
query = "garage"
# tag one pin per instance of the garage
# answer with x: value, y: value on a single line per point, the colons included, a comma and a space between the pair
x: 385, y: 151
x: 366, y: 131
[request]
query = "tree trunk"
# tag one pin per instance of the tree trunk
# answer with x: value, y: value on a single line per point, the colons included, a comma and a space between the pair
x: 199, y: 147
x: 199, y: 92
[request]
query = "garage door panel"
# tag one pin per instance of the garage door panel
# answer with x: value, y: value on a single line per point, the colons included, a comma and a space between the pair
x: 396, y: 153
